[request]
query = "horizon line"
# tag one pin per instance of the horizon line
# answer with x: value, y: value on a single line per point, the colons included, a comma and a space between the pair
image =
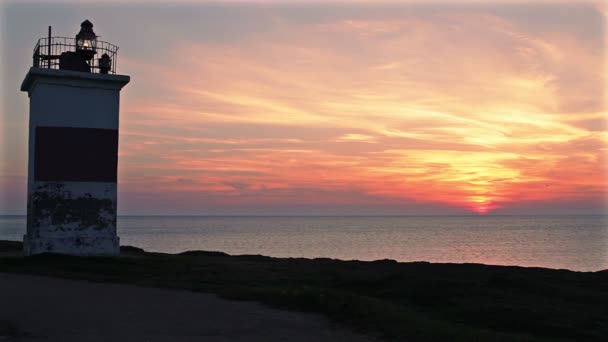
x: 336, y: 215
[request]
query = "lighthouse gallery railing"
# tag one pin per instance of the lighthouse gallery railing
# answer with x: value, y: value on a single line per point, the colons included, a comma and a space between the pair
x: 48, y: 50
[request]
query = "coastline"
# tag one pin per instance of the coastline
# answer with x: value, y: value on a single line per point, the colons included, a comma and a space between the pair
x: 387, y: 299
x: 559, y: 242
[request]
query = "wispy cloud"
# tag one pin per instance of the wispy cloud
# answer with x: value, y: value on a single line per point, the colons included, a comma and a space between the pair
x: 464, y: 108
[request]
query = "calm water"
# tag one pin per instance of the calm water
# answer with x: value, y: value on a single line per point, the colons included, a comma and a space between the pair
x: 571, y: 242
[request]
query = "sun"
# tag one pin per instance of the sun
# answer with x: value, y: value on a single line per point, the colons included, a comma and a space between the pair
x: 481, y: 204
x: 481, y: 209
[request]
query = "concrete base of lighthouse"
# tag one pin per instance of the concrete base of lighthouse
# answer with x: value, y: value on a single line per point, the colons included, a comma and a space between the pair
x: 77, y: 218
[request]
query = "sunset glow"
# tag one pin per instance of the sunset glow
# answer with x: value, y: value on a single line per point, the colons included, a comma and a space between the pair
x: 471, y: 108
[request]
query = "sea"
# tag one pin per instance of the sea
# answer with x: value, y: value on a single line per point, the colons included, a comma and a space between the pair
x: 578, y: 243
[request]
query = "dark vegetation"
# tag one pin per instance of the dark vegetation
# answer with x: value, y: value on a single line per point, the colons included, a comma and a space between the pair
x: 396, y: 301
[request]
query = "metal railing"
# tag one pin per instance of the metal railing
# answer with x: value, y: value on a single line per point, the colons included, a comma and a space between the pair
x: 48, y: 51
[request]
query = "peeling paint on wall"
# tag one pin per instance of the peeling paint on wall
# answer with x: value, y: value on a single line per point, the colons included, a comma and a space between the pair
x: 72, y: 217
x: 50, y: 201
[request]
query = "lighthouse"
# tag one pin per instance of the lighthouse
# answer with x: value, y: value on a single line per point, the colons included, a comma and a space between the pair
x: 74, y: 95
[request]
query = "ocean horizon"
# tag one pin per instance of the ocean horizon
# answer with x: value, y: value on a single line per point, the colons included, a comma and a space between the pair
x: 574, y: 242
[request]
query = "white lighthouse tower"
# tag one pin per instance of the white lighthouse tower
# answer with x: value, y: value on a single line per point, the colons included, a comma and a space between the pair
x: 74, y: 96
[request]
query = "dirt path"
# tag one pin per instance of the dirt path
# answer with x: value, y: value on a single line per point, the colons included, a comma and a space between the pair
x: 48, y: 309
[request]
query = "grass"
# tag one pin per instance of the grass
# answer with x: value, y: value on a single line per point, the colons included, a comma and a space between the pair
x: 396, y: 301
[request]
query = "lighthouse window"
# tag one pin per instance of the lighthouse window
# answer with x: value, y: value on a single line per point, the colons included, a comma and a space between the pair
x: 75, y: 154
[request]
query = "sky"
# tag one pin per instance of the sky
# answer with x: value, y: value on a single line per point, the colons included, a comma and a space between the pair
x: 340, y: 108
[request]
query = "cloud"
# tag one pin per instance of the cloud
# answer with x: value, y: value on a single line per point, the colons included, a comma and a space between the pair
x: 237, y: 186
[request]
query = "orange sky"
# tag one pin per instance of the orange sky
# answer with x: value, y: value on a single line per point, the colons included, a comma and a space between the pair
x: 458, y: 108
